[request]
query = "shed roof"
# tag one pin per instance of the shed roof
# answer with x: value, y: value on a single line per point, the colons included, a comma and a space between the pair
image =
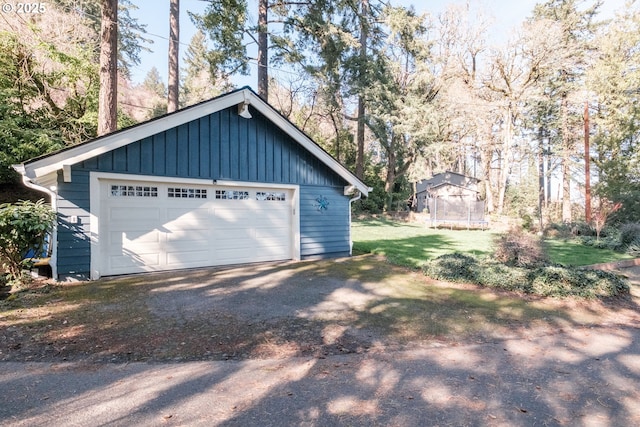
x: 445, y: 178
x: 42, y: 166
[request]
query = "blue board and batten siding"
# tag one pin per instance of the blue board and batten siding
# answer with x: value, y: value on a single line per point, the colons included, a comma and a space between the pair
x: 221, y: 146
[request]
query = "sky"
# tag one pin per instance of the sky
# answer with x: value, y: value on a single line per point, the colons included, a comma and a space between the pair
x: 505, y: 15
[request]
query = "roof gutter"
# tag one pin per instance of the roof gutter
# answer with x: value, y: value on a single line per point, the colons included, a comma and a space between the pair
x: 53, y: 195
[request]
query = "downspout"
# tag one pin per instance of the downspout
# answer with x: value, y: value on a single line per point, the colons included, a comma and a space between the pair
x: 54, y: 231
x: 350, y: 206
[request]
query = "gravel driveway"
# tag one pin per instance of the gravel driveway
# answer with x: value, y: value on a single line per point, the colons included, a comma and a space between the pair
x: 349, y: 374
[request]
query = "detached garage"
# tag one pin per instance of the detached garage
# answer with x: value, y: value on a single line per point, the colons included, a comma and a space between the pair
x: 227, y: 181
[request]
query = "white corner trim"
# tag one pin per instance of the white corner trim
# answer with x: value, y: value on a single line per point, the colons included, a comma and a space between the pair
x: 94, y: 224
x: 66, y: 173
x: 353, y: 199
x: 349, y: 190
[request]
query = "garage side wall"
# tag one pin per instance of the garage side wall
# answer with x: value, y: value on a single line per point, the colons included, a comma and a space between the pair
x: 220, y: 146
x: 324, y: 222
x: 74, y: 236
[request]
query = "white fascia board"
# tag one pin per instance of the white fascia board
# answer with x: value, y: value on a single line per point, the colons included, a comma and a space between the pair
x: 114, y: 141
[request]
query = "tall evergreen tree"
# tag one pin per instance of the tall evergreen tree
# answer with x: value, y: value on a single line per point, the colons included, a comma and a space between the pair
x: 154, y: 84
x: 402, y: 99
x: 346, y: 40
x: 173, y: 91
x: 576, y: 19
x: 198, y: 84
x: 156, y: 93
x: 226, y: 23
x: 108, y: 98
x: 131, y: 33
x: 48, y: 86
x: 614, y: 84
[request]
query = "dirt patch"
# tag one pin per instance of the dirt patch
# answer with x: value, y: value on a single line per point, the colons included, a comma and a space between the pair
x: 314, y: 309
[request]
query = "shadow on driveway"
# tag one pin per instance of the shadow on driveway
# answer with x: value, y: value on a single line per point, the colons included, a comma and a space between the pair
x: 339, y: 342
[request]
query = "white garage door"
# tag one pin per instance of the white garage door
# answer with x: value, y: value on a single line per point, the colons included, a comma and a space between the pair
x: 147, y: 226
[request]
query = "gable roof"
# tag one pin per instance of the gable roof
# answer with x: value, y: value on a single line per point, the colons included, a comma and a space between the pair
x: 45, y: 165
x: 446, y: 178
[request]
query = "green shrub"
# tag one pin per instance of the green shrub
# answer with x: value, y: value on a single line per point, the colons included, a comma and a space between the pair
x: 570, y: 230
x: 527, y: 222
x: 453, y: 267
x: 502, y: 276
x: 581, y: 228
x: 23, y: 227
x: 588, y: 240
x: 545, y: 280
x: 633, y: 248
x: 562, y: 281
x: 608, y: 242
x: 610, y: 232
x: 629, y: 233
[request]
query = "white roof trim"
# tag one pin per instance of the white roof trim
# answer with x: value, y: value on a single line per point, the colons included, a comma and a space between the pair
x: 54, y: 162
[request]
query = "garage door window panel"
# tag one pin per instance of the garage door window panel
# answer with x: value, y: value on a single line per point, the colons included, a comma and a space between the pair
x: 133, y: 191
x: 271, y: 196
x: 186, y: 193
x: 232, y: 195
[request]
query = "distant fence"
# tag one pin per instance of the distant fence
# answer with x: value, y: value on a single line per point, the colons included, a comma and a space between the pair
x: 449, y: 211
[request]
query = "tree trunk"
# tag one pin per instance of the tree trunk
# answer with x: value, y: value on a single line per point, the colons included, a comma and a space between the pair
x: 566, y: 187
x: 547, y: 195
x: 587, y: 169
x: 505, y: 166
x: 108, y: 95
x: 489, y: 196
x: 336, y: 129
x: 364, y: 35
x: 360, y: 139
x: 485, y: 159
x: 174, y: 67
x: 390, y: 178
x: 565, y: 164
x: 263, y: 60
x: 540, y: 176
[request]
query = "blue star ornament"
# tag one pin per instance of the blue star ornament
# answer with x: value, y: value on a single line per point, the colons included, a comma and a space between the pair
x: 322, y: 204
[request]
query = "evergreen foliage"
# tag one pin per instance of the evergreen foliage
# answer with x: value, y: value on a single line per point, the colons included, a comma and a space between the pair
x: 23, y: 228
x: 48, y: 98
x: 420, y: 94
x: 544, y: 280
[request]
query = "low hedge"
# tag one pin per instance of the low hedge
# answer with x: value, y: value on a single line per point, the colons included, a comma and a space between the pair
x: 545, y: 280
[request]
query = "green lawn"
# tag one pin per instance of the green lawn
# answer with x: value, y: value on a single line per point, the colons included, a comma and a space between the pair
x: 412, y: 244
x: 570, y: 252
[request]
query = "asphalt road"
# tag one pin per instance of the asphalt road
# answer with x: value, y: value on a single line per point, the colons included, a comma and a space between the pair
x: 583, y: 377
